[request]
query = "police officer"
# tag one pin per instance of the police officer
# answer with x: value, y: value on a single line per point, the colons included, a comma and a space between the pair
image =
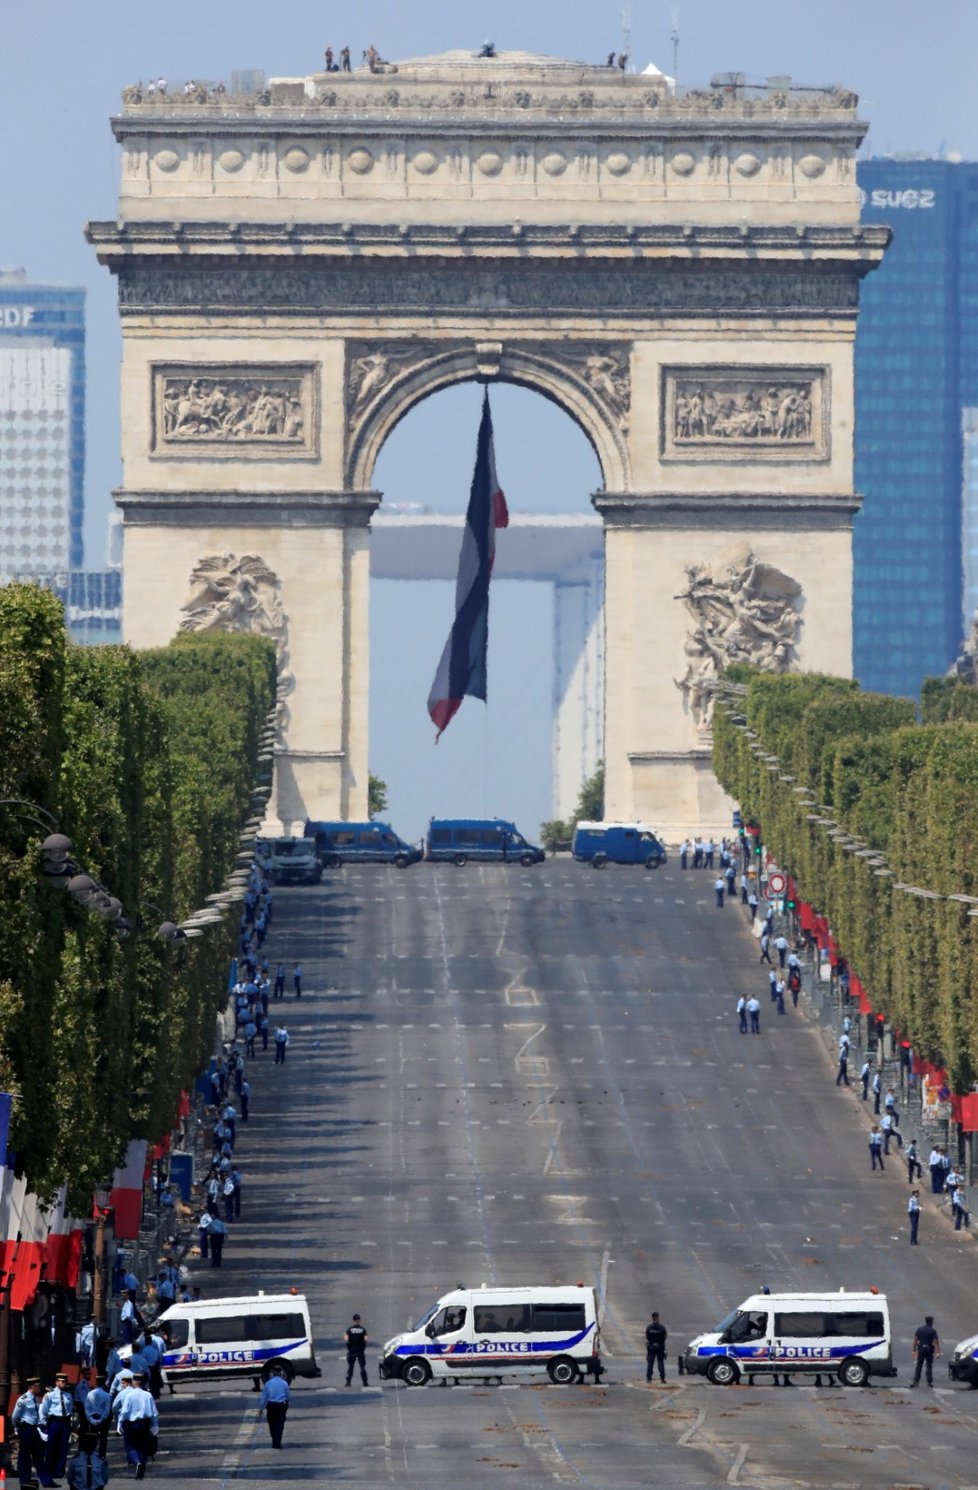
x: 88, y: 1470
x: 98, y: 1412
x: 913, y: 1211
x: 356, y: 1348
x: 55, y: 1415
x: 140, y: 1423
x: 274, y: 1402
x: 30, y: 1446
x: 655, y: 1347
x: 926, y: 1344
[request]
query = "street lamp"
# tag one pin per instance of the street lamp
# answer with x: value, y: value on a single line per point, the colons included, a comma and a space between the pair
x: 101, y: 1200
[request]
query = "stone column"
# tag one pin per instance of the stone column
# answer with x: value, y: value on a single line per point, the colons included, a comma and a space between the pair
x: 578, y: 702
x: 313, y: 553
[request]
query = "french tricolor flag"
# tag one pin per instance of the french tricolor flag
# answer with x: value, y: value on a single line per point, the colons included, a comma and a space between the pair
x: 462, y: 669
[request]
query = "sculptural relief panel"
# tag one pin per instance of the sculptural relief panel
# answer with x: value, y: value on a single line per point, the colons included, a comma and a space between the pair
x: 745, y: 413
x: 226, y: 410
x: 740, y: 610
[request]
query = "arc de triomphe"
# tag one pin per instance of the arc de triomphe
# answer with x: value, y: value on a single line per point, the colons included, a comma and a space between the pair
x: 297, y: 268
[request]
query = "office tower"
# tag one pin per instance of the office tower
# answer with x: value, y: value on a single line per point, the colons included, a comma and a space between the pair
x: 42, y: 427
x: 916, y: 422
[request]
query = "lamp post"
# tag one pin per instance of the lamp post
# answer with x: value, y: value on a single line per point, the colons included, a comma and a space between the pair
x: 102, y: 1213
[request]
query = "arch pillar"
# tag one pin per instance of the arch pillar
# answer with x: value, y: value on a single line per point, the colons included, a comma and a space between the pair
x: 186, y: 557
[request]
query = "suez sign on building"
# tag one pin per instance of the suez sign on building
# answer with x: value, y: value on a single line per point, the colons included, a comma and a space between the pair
x: 15, y: 317
x: 909, y: 199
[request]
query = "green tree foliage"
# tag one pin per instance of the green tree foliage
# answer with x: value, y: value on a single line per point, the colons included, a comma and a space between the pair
x: 147, y: 762
x: 909, y: 792
x: 376, y: 796
x: 558, y: 832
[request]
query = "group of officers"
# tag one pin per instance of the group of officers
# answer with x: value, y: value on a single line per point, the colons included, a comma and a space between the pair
x: 42, y: 1421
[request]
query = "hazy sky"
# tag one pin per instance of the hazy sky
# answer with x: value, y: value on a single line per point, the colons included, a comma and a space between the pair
x: 65, y: 62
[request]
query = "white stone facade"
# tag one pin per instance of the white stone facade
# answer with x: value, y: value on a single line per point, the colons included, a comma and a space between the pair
x: 679, y: 273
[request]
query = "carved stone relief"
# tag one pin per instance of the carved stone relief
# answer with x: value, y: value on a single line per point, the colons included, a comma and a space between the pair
x: 367, y: 288
x: 232, y: 594
x: 772, y: 413
x: 588, y: 375
x: 604, y: 369
x: 741, y: 610
x: 253, y: 411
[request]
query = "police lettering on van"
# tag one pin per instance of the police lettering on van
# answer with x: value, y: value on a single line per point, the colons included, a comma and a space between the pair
x: 847, y: 1334
x: 493, y: 1332
x: 238, y: 1337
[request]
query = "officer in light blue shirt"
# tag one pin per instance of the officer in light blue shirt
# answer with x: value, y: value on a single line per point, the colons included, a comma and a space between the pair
x: 98, y: 1413
x: 139, y: 1421
x: 31, y: 1448
x: 55, y: 1415
x: 274, y: 1402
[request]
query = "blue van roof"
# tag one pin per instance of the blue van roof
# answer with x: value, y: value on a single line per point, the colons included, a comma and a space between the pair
x: 471, y: 822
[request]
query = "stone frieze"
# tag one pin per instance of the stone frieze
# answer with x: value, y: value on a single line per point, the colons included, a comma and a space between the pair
x: 210, y: 408
x: 773, y: 413
x: 367, y: 288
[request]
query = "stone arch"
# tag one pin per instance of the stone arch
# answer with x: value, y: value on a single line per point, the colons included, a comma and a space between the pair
x: 589, y: 381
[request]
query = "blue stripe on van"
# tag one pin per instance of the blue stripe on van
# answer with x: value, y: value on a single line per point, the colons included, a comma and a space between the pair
x: 794, y: 1353
x: 502, y: 1346
x: 194, y: 1360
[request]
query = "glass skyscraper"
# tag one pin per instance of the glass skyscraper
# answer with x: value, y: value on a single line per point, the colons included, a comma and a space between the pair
x: 42, y: 427
x: 916, y: 396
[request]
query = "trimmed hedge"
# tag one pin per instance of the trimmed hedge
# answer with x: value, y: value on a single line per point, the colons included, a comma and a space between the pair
x: 909, y: 791
x: 147, y: 762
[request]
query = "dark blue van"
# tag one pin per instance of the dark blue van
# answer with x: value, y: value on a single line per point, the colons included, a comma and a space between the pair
x: 361, y: 843
x: 599, y: 844
x: 456, y: 840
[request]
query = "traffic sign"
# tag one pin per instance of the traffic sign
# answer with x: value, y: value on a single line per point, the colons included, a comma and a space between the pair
x: 777, y: 883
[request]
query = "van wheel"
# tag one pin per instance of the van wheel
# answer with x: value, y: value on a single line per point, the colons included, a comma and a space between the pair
x: 416, y: 1372
x: 854, y: 1372
x: 651, y: 863
x: 460, y: 860
x: 563, y: 1371
x: 401, y: 862
x: 723, y: 1372
x: 527, y: 859
x: 283, y: 1366
x: 334, y: 862
x: 599, y: 861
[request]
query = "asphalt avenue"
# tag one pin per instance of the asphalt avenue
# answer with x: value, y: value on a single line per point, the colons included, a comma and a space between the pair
x: 516, y: 1076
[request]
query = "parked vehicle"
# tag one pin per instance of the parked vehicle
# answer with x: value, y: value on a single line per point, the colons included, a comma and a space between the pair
x: 844, y: 1334
x: 218, y: 1338
x: 476, y: 1333
x: 600, y: 844
x: 485, y: 840
x: 294, y: 861
x: 361, y: 843
x: 963, y: 1365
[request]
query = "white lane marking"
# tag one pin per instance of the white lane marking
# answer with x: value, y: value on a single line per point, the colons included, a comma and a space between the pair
x: 738, y: 1464
x: 693, y: 1428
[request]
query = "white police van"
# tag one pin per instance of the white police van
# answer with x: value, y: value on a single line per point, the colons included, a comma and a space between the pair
x: 485, y: 1333
x: 838, y: 1334
x: 963, y: 1365
x: 238, y: 1337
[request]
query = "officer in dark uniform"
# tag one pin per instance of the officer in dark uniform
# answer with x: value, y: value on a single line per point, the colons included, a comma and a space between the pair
x: 356, y: 1350
x: 655, y: 1348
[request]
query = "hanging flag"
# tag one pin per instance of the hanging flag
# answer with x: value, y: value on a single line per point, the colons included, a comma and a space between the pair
x: 28, y: 1259
x: 6, y: 1102
x: 62, y: 1252
x: 462, y: 669
x: 126, y: 1198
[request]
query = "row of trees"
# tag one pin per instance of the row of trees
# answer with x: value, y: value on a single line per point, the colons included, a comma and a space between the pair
x: 907, y: 790
x: 148, y: 762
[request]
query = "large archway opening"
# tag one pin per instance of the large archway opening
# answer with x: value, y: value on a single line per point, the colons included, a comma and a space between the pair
x: 515, y: 756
